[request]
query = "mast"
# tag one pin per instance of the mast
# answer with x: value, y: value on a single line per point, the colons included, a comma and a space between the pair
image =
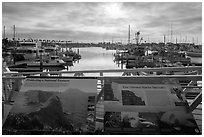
x: 164, y: 38
x: 129, y: 35
x: 176, y: 40
x: 15, y: 44
x: 168, y: 35
x: 180, y: 39
x: 14, y: 32
x: 171, y: 32
x: 4, y: 35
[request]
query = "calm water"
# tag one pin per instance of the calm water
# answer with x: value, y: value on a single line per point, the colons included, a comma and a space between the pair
x: 94, y: 58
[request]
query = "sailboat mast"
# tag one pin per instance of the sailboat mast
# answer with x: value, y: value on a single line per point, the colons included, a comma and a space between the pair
x: 14, y: 32
x: 129, y: 35
x: 4, y: 35
x: 171, y: 32
x: 164, y: 38
x: 176, y: 40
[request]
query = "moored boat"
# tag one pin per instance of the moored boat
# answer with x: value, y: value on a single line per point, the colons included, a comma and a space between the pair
x: 52, y: 62
x: 67, y: 58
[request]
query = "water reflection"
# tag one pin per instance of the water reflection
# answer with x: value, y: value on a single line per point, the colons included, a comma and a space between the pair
x: 92, y: 58
x: 95, y: 58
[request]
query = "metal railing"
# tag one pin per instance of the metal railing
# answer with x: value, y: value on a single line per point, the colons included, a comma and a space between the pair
x: 164, y: 71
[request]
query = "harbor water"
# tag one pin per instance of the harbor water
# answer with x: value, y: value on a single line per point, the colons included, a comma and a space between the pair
x: 95, y: 58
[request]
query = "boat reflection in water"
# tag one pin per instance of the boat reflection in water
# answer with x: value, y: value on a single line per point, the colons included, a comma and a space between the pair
x: 94, y: 58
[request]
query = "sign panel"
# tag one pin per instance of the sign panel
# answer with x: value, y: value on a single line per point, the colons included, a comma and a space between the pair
x: 144, y: 108
x: 52, y: 102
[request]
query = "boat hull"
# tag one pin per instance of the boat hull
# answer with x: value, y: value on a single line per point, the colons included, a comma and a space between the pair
x: 44, y: 65
x: 67, y: 59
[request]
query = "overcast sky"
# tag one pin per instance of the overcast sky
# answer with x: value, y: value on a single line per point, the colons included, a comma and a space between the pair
x: 96, y: 21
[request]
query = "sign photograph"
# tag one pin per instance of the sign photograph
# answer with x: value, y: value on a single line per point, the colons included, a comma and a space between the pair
x: 51, y: 103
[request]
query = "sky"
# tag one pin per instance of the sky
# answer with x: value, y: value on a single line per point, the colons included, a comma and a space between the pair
x: 104, y: 21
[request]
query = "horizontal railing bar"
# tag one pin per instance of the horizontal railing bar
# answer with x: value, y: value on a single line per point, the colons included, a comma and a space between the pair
x: 19, y: 77
x: 186, y: 77
x: 196, y: 114
x: 191, y: 86
x: 191, y: 93
x: 175, y: 69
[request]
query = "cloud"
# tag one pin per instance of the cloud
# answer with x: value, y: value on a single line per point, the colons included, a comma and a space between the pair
x: 101, y: 20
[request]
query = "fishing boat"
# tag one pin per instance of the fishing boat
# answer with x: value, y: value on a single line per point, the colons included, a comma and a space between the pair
x: 29, y: 53
x: 72, y: 54
x: 52, y: 62
x: 62, y: 57
x: 52, y: 50
x: 23, y: 68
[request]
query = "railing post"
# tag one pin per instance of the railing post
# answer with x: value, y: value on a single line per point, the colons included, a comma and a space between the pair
x: 5, y: 89
x: 101, y: 74
x: 195, y: 103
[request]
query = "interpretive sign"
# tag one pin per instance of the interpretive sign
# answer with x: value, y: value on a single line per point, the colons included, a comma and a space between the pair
x: 139, y: 107
x: 53, y: 103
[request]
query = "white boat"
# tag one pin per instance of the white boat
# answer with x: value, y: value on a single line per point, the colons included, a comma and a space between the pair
x: 53, y: 62
x: 29, y: 50
x: 51, y: 50
x: 29, y: 53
